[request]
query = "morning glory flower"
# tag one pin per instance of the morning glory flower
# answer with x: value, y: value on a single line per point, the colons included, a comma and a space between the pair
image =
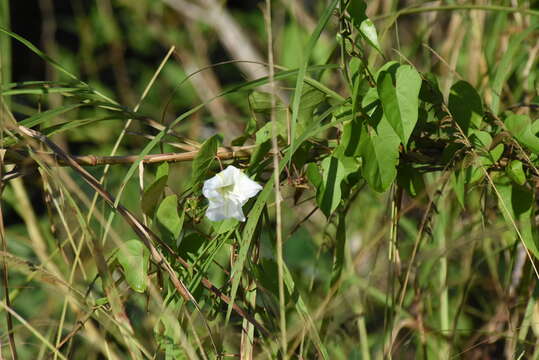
x: 227, y: 192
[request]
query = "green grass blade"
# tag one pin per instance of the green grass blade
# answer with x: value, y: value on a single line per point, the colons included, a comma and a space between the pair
x: 50, y: 61
x: 505, y: 67
x: 303, y: 69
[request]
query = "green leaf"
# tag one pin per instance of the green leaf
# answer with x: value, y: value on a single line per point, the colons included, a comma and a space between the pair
x: 480, y: 139
x: 459, y: 186
x: 313, y: 174
x: 350, y: 137
x: 260, y: 102
x: 169, y: 222
x: 134, y: 259
x: 329, y: 196
x: 357, y: 10
x: 311, y: 98
x: 516, y: 204
x: 258, y: 155
x: 516, y: 172
x: 521, y: 127
x: 476, y: 164
x: 465, y: 105
x: 399, y: 91
x: 366, y: 28
x: 152, y: 194
x: 351, y: 164
x: 265, y: 133
x: 368, y: 31
x: 379, y: 149
x: 224, y: 226
x: 410, y: 180
x: 358, y: 83
x: 204, y: 159
x: 191, y: 245
x: 497, y: 152
x: 162, y: 170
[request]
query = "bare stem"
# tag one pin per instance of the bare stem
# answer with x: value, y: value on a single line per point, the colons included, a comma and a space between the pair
x: 22, y: 158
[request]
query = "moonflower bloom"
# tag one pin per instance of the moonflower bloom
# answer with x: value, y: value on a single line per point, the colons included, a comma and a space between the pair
x: 227, y: 192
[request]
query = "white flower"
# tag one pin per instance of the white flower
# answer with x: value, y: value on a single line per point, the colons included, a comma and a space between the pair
x: 227, y: 192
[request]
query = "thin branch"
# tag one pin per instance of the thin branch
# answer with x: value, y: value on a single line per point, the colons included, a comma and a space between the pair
x: 22, y: 157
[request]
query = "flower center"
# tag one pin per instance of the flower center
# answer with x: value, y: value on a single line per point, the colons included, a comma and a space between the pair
x: 226, y: 190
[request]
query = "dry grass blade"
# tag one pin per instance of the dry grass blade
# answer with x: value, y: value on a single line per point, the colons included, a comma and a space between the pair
x: 5, y: 279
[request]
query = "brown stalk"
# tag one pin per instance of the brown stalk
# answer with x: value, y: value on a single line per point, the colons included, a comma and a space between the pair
x: 22, y: 157
x: 143, y: 232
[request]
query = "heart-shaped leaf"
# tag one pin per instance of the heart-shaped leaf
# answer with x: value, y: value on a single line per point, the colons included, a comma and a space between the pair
x: 134, y: 259
x: 399, y: 92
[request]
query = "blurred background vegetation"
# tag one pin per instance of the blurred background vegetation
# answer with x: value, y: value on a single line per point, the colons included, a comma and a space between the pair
x: 471, y: 293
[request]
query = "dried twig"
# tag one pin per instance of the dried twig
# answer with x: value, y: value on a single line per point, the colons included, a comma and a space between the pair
x: 23, y: 158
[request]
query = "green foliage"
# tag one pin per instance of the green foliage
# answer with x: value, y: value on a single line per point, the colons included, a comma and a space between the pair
x: 365, y: 26
x: 168, y: 220
x: 398, y: 208
x: 134, y: 258
x: 516, y: 205
x: 398, y: 91
x: 153, y: 193
x: 378, y: 146
x: 204, y: 159
x: 328, y: 187
x: 465, y: 106
x: 524, y: 130
x: 516, y: 172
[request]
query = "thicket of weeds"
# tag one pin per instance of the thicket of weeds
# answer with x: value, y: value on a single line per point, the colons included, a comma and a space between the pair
x: 396, y: 144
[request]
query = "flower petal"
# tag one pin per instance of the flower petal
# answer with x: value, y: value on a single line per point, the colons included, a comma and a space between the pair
x: 209, y: 190
x: 230, y: 173
x: 225, y: 210
x: 225, y: 202
x: 245, y: 188
x: 215, y: 213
